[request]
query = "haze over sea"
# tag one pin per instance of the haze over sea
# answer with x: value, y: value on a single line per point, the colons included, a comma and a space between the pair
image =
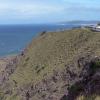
x: 14, y: 38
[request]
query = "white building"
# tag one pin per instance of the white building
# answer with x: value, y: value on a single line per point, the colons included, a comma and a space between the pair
x: 96, y: 28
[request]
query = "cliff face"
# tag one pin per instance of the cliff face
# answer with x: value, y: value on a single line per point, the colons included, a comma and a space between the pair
x: 56, y: 66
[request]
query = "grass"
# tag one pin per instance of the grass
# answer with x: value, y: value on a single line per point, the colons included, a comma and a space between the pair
x: 52, y: 51
x: 95, y: 66
x: 93, y: 97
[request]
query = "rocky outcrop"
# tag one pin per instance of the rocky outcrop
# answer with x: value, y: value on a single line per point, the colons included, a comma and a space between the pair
x: 9, y: 68
x: 89, y: 80
x: 69, y: 84
x: 84, y: 79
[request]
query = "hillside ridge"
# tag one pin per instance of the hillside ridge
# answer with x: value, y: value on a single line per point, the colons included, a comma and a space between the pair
x: 52, y: 64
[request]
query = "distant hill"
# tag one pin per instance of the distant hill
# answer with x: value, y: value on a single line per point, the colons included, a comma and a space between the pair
x: 54, y: 66
x: 80, y: 22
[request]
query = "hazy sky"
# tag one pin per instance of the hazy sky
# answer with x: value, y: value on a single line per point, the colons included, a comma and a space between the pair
x: 44, y: 11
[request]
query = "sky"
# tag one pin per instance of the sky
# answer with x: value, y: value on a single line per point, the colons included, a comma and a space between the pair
x: 47, y: 11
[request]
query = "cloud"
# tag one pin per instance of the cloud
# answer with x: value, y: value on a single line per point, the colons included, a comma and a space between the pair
x: 43, y: 10
x: 28, y: 9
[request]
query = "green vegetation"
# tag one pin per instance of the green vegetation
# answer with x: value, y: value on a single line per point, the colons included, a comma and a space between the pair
x: 95, y: 66
x: 53, y: 50
x: 93, y: 97
x: 50, y: 52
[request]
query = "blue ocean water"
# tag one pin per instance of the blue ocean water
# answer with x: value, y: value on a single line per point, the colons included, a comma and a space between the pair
x: 14, y: 38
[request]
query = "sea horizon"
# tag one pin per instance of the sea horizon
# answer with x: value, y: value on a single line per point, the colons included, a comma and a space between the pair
x: 15, y: 37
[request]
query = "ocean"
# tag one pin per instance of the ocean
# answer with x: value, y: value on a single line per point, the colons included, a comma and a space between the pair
x: 14, y: 38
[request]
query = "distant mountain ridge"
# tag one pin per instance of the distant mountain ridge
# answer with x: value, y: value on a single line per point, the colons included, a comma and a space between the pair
x: 80, y: 22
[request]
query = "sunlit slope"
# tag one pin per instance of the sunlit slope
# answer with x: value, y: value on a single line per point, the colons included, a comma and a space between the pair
x: 51, y: 52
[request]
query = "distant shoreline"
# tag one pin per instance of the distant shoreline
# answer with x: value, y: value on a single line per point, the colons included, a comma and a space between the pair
x: 14, y: 39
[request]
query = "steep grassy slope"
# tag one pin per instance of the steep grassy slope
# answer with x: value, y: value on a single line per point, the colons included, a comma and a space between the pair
x: 40, y: 73
x: 54, y: 50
